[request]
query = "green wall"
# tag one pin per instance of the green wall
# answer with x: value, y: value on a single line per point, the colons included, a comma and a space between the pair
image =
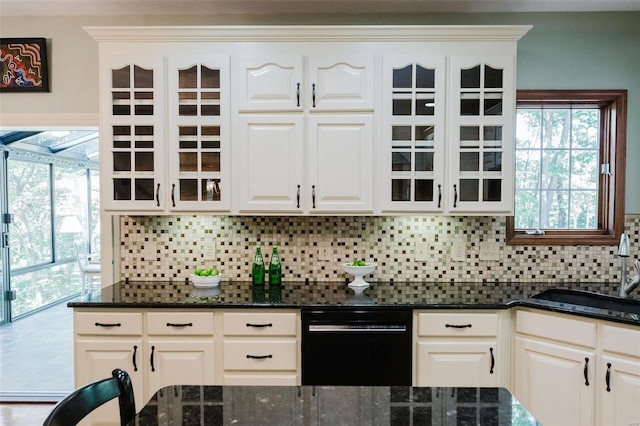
x: 562, y: 51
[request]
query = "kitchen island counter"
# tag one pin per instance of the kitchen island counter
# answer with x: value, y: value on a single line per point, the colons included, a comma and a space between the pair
x: 331, y: 405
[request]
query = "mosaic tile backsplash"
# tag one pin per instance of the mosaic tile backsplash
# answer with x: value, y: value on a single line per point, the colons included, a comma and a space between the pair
x: 170, y: 247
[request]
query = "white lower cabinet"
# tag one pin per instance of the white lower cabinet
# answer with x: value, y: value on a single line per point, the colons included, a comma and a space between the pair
x: 555, y: 358
x: 618, y: 380
x: 565, y: 370
x: 577, y: 371
x: 458, y: 349
x: 261, y: 348
x: 103, y: 342
x: 550, y: 381
x: 176, y: 348
x: 180, y: 349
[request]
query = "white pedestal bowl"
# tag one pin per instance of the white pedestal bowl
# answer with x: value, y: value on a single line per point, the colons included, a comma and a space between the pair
x: 358, y: 273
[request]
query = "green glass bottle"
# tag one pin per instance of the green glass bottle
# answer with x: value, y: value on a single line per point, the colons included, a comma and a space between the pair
x: 275, y: 268
x: 257, y: 270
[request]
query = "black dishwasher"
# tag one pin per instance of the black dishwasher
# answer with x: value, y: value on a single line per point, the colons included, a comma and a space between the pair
x: 367, y: 347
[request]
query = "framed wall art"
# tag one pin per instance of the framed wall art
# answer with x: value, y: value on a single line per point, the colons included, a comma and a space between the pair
x: 23, y: 65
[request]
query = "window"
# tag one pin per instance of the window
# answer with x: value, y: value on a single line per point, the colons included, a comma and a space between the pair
x: 570, y: 168
x: 30, y: 200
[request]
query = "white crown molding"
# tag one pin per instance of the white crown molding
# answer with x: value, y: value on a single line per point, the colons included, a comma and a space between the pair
x: 49, y: 120
x: 309, y: 33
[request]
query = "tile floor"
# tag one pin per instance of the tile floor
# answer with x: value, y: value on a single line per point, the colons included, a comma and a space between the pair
x: 36, y: 356
x: 23, y: 414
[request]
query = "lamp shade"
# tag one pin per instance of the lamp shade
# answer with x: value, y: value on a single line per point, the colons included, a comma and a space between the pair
x: 71, y: 225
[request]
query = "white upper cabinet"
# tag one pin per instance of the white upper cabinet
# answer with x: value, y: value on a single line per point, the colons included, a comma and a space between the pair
x: 165, y: 133
x: 340, y: 163
x: 271, y: 151
x: 481, y: 135
x: 305, y: 140
x: 340, y: 83
x: 132, y: 133
x: 307, y: 120
x: 199, y: 133
x: 413, y: 134
x: 331, y: 83
x: 272, y: 83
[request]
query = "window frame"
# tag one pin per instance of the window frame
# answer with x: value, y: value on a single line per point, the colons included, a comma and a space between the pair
x: 611, y: 192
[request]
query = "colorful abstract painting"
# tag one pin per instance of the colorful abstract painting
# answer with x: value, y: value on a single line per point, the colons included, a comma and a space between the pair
x: 23, y: 65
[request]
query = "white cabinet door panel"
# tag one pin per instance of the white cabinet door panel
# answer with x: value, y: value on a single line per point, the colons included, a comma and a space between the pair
x: 272, y: 150
x: 340, y: 83
x: 96, y: 359
x: 175, y: 361
x: 270, y: 83
x: 620, y: 398
x: 340, y: 163
x: 550, y: 382
x: 459, y: 364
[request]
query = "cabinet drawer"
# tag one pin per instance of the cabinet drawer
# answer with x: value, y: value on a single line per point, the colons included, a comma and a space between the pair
x: 453, y: 324
x: 251, y: 354
x: 180, y: 323
x: 556, y: 328
x: 260, y: 323
x: 621, y: 340
x: 108, y: 323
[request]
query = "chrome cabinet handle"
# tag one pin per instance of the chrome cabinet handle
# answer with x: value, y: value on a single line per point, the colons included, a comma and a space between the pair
x: 586, y: 371
x: 439, y: 195
x: 607, y: 377
x: 313, y: 196
x: 493, y: 361
x: 133, y: 358
x: 298, y: 197
x: 298, y: 94
x: 313, y: 94
x: 173, y: 194
x: 158, y: 196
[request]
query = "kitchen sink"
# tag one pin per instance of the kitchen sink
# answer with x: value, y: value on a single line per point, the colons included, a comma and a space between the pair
x: 593, y: 300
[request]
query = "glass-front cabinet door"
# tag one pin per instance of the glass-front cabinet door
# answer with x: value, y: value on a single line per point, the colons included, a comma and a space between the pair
x: 413, y: 134
x: 199, y: 170
x: 481, y: 135
x: 132, y: 145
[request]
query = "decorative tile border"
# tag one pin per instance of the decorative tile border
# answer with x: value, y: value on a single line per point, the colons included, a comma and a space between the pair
x: 164, y: 247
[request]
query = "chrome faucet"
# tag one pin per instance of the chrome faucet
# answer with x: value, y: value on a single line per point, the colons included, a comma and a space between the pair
x: 627, y: 285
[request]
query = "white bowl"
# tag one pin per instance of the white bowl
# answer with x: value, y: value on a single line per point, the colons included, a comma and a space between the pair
x: 199, y: 281
x: 359, y: 272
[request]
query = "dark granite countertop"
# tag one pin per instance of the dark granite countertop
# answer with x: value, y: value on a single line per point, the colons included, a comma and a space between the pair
x: 328, y: 295
x: 333, y: 405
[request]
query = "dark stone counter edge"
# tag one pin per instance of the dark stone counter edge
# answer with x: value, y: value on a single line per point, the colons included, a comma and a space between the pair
x: 582, y: 311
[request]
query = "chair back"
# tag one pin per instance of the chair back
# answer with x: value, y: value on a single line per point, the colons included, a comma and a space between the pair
x: 81, y: 255
x: 83, y: 401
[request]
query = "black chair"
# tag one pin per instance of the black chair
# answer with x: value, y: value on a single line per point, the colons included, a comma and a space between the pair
x: 83, y: 401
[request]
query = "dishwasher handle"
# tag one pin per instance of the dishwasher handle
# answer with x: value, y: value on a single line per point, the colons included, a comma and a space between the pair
x: 330, y: 328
